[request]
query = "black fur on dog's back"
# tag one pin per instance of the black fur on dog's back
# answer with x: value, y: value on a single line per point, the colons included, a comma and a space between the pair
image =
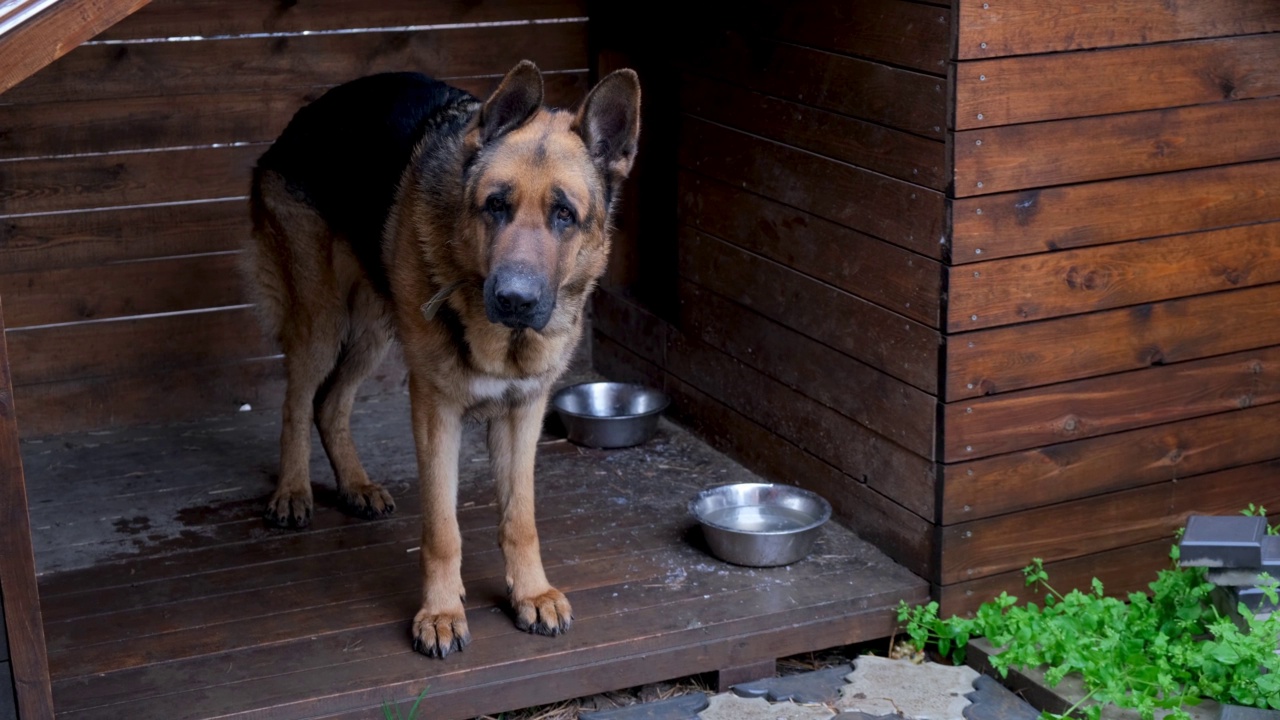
x: 344, y: 153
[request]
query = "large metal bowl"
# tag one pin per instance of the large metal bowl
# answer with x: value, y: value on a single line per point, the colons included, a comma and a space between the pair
x: 609, y: 414
x: 760, y: 524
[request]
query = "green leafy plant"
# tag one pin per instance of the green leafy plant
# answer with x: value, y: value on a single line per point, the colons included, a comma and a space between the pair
x: 1165, y: 650
x: 392, y: 712
x: 1259, y: 511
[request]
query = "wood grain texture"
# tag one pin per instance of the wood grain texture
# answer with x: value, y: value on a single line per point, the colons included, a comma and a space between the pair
x: 627, y: 321
x: 1119, y: 461
x: 901, y: 534
x: 28, y: 656
x: 856, y: 451
x: 79, y: 239
x: 105, y: 348
x: 93, y: 404
x: 1000, y: 360
x: 1013, y: 421
x: 106, y: 181
x: 1008, y: 91
x: 1032, y: 221
x: 1083, y: 527
x: 872, y: 269
x: 33, y: 44
x: 120, y: 290
x: 882, y: 339
x: 1122, y: 571
x: 1058, y: 152
x: 1036, y: 287
x: 1022, y: 27
x: 901, y: 33
x: 866, y: 144
x: 899, y: 212
x: 212, y: 18
x: 139, y: 123
x: 884, y: 405
x: 109, y: 72
x: 897, y: 98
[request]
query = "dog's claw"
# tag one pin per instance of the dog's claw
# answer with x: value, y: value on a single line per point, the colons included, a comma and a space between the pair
x: 546, y: 614
x: 369, y: 502
x: 289, y: 509
x: 438, y: 634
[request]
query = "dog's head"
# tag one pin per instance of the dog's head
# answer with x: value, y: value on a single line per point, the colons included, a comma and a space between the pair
x: 539, y: 185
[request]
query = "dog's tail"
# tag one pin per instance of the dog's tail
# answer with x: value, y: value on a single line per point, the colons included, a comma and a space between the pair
x: 265, y: 254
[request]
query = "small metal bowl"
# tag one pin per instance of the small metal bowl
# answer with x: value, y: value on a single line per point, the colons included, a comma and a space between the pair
x: 760, y: 524
x: 609, y: 414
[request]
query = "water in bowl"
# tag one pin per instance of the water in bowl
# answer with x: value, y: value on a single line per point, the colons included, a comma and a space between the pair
x: 760, y: 518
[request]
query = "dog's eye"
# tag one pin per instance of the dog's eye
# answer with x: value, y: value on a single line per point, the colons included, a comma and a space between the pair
x: 495, y: 205
x: 564, y: 216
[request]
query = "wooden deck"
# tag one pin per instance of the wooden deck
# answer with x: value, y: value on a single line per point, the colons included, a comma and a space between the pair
x: 165, y: 595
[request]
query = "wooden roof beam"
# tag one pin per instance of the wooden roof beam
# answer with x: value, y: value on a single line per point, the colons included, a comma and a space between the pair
x: 34, y: 33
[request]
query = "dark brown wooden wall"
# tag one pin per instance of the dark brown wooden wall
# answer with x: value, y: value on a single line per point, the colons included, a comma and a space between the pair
x: 1111, y: 364
x: 801, y: 328
x: 124, y: 168
x: 999, y: 278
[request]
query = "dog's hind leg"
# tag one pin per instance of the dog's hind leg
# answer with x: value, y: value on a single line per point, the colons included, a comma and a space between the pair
x: 513, y: 443
x: 366, y: 344
x: 307, y: 364
x: 300, y: 301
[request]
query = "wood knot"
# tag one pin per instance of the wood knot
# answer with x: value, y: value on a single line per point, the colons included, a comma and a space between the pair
x: 1084, y: 280
x: 1071, y: 423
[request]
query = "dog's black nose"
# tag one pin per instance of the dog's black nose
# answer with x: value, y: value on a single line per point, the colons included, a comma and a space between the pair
x: 519, y: 297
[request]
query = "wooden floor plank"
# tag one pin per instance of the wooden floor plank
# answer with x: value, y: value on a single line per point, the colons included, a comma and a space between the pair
x: 563, y: 538
x: 664, y: 603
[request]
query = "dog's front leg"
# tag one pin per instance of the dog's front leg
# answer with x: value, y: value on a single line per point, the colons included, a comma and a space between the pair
x: 513, y: 444
x: 440, y: 627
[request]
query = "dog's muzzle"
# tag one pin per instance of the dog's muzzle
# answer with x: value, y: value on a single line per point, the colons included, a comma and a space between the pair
x: 519, y: 297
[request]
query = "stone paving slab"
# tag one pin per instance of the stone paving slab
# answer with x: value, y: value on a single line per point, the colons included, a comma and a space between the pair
x: 927, y: 691
x: 818, y: 686
x: 992, y: 701
x: 728, y: 706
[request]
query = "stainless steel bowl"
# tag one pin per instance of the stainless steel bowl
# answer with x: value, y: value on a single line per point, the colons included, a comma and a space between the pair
x: 609, y: 414
x: 760, y: 524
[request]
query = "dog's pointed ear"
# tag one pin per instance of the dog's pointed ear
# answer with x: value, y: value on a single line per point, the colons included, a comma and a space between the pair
x: 518, y: 97
x: 609, y: 122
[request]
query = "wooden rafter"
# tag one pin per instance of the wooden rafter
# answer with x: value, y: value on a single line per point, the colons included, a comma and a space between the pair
x: 34, y: 33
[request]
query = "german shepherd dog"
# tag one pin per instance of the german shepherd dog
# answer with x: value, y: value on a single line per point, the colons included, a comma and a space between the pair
x: 398, y: 206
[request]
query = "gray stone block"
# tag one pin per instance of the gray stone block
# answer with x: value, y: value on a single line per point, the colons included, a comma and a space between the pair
x: 1223, y: 541
x: 818, y: 686
x: 1254, y: 599
x: 1236, y: 712
x: 681, y: 707
x: 864, y: 716
x: 1237, y: 577
x: 993, y: 701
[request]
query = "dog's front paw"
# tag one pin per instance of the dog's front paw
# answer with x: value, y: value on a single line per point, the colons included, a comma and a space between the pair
x: 436, y: 634
x: 290, y: 507
x: 368, y: 501
x: 545, y: 614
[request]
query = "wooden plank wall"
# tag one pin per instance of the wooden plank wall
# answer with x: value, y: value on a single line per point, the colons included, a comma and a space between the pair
x: 999, y: 278
x: 1112, y: 359
x: 124, y: 168
x: 810, y: 174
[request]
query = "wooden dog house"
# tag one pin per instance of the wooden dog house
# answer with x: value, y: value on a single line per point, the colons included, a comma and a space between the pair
x: 999, y: 279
